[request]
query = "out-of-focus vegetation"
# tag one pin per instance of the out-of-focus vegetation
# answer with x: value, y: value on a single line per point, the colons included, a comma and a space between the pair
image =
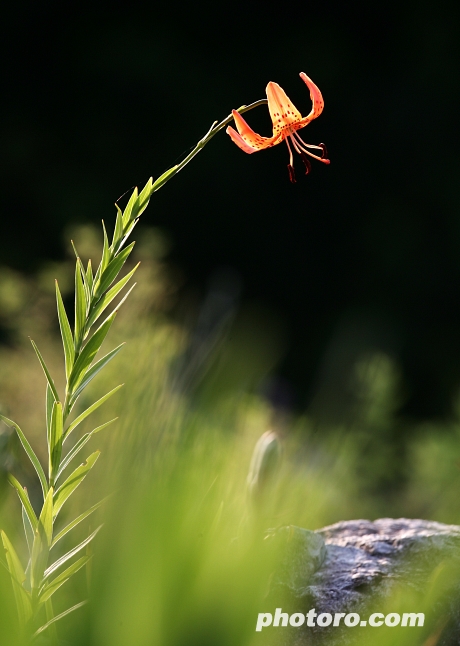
x: 181, y: 559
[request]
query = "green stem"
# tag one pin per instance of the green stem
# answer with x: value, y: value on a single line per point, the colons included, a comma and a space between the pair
x: 215, y: 129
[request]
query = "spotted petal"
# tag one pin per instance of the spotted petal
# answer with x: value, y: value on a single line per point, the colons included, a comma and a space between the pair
x: 281, y: 108
x: 246, y: 138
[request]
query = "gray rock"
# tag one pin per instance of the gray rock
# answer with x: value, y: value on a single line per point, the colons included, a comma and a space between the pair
x: 359, y: 569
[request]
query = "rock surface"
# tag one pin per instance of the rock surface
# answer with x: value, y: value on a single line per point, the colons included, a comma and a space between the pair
x: 364, y: 567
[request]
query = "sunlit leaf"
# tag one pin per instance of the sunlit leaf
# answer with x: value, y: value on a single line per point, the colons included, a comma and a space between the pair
x: 57, y: 564
x: 46, y: 371
x: 93, y: 371
x: 80, y: 305
x: 112, y: 270
x: 50, y: 588
x: 78, y: 420
x: 66, y: 333
x: 80, y: 445
x: 71, y: 483
x: 129, y: 207
x: 105, y: 300
x: 24, y: 498
x: 58, y: 617
x: 30, y: 452
x: 22, y: 597
x: 88, y: 353
x: 77, y: 521
x: 56, y: 433
x: 164, y: 178
x: 42, y: 541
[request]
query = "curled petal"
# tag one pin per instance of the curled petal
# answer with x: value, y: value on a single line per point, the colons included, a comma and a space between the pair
x: 316, y: 99
x: 239, y: 141
x: 247, y: 139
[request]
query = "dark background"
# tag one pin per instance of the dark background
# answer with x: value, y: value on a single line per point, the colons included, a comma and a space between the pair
x: 363, y: 254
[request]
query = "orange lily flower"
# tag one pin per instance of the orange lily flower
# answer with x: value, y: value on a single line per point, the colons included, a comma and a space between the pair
x: 286, y: 121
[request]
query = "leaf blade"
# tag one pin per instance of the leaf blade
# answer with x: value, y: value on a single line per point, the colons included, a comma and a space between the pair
x: 72, y: 482
x: 57, y: 564
x: 30, y: 453
x: 46, y: 371
x: 66, y: 333
x: 78, y: 420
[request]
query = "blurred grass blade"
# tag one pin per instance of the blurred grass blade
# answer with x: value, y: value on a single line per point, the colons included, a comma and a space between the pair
x: 105, y: 300
x: 77, y: 521
x: 112, y: 270
x: 72, y: 482
x: 93, y: 371
x: 78, y: 420
x: 50, y: 588
x: 57, y: 617
x: 46, y: 371
x: 56, y: 432
x: 89, y: 352
x: 129, y: 207
x: 18, y: 576
x: 24, y: 498
x: 66, y: 333
x: 30, y: 452
x: 80, y: 305
x: 57, y: 564
x: 79, y: 445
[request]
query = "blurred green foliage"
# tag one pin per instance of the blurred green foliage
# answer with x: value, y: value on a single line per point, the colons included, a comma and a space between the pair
x: 181, y: 560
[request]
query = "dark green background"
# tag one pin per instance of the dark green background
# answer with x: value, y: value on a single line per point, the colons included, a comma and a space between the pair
x: 363, y: 254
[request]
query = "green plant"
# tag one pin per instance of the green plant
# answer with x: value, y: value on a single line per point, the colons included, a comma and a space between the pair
x: 35, y: 585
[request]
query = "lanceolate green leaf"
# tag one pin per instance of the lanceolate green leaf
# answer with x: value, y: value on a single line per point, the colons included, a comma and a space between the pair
x: 77, y: 521
x: 28, y: 531
x: 50, y: 588
x: 164, y: 178
x: 89, y: 276
x: 105, y: 251
x: 118, y: 232
x: 78, y: 447
x: 129, y: 207
x: 78, y: 420
x: 66, y: 333
x: 89, y: 352
x: 142, y: 201
x: 42, y: 542
x: 49, y: 411
x: 57, y: 618
x: 56, y: 432
x: 18, y: 577
x: 24, y: 498
x: 72, y: 482
x: 105, y: 300
x: 93, y: 371
x: 46, y: 371
x: 57, y: 564
x: 30, y: 452
x: 112, y: 270
x: 80, y: 305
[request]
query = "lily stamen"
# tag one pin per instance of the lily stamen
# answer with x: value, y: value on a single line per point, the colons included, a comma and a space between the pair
x: 303, y: 146
x: 291, y: 163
